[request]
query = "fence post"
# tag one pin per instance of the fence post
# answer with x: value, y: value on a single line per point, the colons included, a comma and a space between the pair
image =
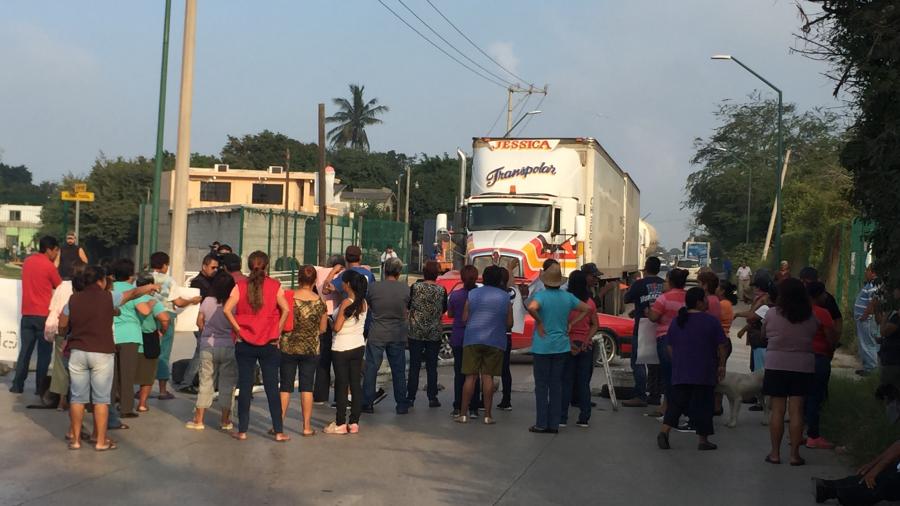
x: 294, y: 244
x: 269, y: 239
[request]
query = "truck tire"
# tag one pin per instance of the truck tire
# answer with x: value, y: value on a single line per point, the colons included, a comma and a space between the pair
x: 609, y: 341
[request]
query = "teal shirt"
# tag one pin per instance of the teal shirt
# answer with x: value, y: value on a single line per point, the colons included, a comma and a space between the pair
x: 554, y: 312
x: 149, y: 323
x: 126, y: 326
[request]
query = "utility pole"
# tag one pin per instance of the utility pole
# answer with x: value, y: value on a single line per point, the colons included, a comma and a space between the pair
x: 287, y: 193
x: 322, y: 201
x: 518, y: 89
x: 160, y: 127
x: 408, y: 174
x: 178, y: 244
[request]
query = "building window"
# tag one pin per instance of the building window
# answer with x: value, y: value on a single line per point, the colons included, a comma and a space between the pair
x: 15, y: 216
x: 215, y: 192
x: 267, y: 193
x: 312, y: 187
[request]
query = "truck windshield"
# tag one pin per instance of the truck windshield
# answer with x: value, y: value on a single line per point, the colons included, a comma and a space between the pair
x: 502, y: 216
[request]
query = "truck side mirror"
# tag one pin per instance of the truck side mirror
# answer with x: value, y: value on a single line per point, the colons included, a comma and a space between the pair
x: 557, y: 218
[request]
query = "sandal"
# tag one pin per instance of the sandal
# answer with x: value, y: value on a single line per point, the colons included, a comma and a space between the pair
x: 121, y: 426
x: 166, y: 396
x: 73, y: 446
x: 240, y: 436
x: 142, y: 409
x: 110, y: 445
x: 770, y: 460
x: 284, y: 438
x: 797, y: 463
x: 311, y: 433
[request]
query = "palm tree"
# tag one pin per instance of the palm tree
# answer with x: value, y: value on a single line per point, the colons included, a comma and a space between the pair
x: 353, y: 118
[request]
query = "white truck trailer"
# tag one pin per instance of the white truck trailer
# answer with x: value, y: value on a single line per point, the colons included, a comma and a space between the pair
x: 534, y: 199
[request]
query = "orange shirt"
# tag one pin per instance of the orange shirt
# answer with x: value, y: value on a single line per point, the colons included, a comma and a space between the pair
x: 727, y: 315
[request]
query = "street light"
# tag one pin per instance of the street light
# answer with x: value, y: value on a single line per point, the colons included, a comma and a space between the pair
x: 529, y: 113
x: 778, y: 169
x: 749, y: 185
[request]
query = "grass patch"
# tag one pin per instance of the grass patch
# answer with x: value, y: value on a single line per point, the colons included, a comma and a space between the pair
x: 854, y: 418
x: 8, y: 271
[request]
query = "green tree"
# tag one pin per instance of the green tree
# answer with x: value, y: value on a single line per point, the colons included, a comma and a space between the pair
x: 16, y: 186
x: 861, y: 39
x: 353, y: 118
x: 815, y: 188
x: 259, y: 151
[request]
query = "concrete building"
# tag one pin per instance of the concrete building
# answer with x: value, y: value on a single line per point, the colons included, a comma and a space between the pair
x: 223, y: 186
x: 19, y: 225
x: 245, y: 209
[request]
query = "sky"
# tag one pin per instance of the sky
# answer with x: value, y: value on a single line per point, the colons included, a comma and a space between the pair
x: 81, y: 79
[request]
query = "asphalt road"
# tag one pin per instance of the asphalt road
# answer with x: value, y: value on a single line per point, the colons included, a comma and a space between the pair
x: 420, y: 458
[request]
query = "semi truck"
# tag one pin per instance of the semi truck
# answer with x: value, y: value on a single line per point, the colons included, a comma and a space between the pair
x: 534, y: 199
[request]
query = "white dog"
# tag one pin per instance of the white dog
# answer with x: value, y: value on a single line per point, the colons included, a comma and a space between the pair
x: 737, y: 387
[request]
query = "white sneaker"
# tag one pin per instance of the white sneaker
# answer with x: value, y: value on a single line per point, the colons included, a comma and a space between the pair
x: 194, y: 426
x: 334, y: 428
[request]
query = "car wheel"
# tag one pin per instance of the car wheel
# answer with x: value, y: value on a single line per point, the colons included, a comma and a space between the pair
x: 446, y: 352
x: 607, y: 341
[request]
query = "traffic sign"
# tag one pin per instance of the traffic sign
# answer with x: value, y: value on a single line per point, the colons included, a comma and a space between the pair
x: 78, y: 196
x: 80, y: 187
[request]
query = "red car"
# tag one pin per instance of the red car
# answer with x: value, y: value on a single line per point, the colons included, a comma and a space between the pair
x: 615, y: 331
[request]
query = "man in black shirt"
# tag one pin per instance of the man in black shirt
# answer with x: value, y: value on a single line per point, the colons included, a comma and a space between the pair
x: 208, y: 271
x: 643, y: 293
x: 203, y: 282
x: 809, y: 275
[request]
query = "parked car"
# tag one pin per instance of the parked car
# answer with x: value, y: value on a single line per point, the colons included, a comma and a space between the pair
x: 615, y: 332
x: 691, y: 265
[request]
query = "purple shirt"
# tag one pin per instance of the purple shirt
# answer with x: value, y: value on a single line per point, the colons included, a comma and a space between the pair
x: 695, y: 358
x: 456, y: 303
x: 488, y: 308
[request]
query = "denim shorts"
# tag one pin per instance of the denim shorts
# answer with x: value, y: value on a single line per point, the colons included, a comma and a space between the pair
x: 91, y: 376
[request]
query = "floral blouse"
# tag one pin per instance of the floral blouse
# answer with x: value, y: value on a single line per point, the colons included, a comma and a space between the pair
x: 304, y: 339
x: 427, y: 303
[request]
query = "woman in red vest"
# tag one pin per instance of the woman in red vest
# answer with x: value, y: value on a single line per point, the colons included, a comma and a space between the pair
x: 257, y: 310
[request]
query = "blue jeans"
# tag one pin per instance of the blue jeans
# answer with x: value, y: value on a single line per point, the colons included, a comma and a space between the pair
x: 396, y: 355
x: 31, y: 334
x: 638, y: 371
x: 269, y: 358
x: 868, y: 348
x: 813, y: 402
x: 548, y: 376
x: 430, y: 350
x: 577, y: 375
x: 665, y: 368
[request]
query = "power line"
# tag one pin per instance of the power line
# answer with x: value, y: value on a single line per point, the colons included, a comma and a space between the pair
x: 439, y: 48
x: 499, y: 115
x: 527, y: 121
x: 476, y: 45
x: 501, y: 78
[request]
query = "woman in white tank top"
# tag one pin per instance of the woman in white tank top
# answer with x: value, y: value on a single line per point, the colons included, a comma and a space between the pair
x: 347, y: 353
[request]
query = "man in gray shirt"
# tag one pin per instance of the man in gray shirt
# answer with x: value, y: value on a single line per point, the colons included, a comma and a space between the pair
x: 388, y: 301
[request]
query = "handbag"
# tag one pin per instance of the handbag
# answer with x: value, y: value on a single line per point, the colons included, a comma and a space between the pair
x: 151, y: 345
x: 646, y: 341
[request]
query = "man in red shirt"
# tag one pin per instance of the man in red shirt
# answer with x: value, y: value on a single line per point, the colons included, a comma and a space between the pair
x: 39, y: 278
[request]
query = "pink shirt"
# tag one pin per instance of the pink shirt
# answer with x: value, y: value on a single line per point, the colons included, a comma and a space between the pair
x: 667, y: 305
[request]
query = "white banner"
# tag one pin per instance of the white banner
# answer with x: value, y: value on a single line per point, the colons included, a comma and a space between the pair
x: 187, y: 319
x: 10, y: 306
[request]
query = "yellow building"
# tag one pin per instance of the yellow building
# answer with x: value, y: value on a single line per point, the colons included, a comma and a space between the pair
x: 223, y: 186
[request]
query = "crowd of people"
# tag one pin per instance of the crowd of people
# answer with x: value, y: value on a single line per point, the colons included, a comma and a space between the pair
x: 109, y: 330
